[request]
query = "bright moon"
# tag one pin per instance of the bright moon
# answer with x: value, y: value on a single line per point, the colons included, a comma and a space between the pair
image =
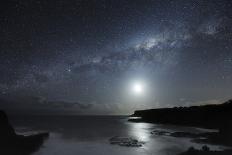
x: 138, y: 88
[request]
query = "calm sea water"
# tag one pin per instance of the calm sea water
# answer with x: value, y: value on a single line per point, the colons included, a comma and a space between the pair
x: 89, y: 135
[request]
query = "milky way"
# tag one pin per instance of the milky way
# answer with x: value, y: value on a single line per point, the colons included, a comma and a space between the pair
x: 79, y: 57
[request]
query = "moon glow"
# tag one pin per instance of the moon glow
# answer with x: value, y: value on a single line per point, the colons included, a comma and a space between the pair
x: 138, y: 88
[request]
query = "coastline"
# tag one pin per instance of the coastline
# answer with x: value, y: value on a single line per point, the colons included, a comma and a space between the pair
x: 207, y: 116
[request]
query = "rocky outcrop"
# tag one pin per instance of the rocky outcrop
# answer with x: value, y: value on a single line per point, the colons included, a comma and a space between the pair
x: 125, y: 141
x: 13, y: 144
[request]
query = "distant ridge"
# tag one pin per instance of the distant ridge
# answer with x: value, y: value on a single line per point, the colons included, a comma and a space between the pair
x: 209, y: 116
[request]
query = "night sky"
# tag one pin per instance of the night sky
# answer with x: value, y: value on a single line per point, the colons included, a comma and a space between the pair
x: 83, y: 56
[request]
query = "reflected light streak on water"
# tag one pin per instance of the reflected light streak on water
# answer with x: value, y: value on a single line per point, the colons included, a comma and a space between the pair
x: 139, y: 131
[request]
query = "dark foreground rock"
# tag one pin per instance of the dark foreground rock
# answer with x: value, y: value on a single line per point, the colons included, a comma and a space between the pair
x: 205, y: 151
x: 13, y: 144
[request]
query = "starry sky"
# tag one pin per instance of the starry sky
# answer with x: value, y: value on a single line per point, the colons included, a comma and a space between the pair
x: 81, y: 56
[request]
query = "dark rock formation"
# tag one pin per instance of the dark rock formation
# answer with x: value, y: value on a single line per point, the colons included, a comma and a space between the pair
x: 13, y: 144
x: 126, y: 141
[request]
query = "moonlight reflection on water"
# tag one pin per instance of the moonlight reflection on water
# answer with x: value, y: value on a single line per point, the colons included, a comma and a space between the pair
x: 140, y: 131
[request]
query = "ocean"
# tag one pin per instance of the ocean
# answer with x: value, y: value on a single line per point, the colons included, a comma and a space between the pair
x: 90, y: 135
